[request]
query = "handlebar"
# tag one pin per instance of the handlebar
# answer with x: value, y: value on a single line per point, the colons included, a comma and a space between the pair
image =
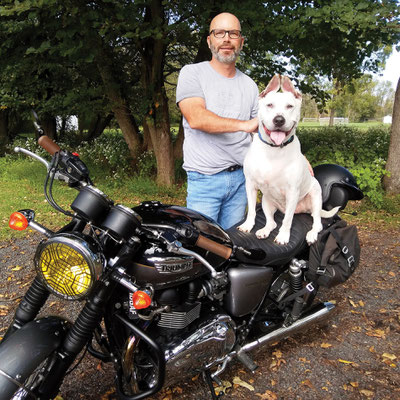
x: 214, y: 247
x: 48, y: 144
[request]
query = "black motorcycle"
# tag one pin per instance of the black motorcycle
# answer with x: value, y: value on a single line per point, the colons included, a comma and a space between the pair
x: 167, y: 293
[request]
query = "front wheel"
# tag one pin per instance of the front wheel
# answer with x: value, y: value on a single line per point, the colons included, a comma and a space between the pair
x: 30, y: 388
x: 25, y: 357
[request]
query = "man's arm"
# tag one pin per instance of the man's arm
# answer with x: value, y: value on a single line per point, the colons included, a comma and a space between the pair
x: 198, y: 117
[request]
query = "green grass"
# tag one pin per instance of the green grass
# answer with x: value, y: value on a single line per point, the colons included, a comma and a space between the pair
x: 21, y: 186
x: 359, y: 125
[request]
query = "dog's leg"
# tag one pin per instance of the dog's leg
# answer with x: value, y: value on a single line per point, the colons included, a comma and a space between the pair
x: 316, y: 206
x: 269, y: 211
x: 292, y: 197
x: 251, y: 192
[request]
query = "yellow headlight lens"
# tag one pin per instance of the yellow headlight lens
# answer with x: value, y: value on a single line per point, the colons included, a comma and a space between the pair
x: 68, y: 266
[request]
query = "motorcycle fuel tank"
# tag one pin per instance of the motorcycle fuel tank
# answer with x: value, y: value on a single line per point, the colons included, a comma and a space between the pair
x: 163, y: 269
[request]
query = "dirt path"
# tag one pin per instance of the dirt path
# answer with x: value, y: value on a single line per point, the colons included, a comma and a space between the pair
x: 354, y: 355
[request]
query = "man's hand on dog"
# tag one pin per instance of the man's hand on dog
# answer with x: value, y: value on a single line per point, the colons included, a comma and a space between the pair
x: 250, y: 126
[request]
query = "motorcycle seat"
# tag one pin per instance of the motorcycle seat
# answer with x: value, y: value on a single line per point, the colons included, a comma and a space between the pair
x: 275, y: 254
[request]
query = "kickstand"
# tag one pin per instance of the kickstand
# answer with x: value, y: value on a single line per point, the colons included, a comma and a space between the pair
x: 208, y: 380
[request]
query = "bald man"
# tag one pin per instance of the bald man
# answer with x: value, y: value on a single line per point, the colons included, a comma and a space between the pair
x: 219, y: 106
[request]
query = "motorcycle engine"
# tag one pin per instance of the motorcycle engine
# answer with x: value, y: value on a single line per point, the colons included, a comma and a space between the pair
x: 207, y: 342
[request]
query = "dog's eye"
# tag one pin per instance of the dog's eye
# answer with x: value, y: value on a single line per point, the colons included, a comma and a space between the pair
x: 270, y: 105
x: 289, y: 106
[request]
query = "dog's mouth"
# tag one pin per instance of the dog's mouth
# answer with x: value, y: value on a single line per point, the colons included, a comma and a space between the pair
x: 277, y: 136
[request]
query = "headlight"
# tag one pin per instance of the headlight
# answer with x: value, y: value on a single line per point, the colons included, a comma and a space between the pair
x: 68, y: 264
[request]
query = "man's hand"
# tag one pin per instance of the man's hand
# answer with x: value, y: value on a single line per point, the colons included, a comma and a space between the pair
x: 251, y: 125
x: 198, y: 117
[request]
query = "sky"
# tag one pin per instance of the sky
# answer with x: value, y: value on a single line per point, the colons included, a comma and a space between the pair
x: 392, y: 70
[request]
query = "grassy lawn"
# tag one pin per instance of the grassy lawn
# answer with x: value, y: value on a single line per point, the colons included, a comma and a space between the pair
x: 359, y: 125
x: 21, y: 186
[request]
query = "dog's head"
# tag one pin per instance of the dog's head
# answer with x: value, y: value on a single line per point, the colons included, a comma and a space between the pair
x: 279, y: 113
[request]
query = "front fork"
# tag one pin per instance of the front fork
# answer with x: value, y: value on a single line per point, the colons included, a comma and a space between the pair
x: 29, y: 307
x: 77, y: 336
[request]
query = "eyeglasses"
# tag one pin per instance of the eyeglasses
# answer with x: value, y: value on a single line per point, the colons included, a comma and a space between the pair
x: 221, y: 33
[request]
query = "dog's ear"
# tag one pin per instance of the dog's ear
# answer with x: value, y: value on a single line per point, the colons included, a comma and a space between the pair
x: 273, y: 86
x: 287, y: 86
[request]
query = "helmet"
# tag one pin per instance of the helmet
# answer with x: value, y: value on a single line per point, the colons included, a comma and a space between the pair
x: 338, y: 186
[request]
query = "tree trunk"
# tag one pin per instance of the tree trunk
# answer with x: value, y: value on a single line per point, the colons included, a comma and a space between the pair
x: 4, y: 138
x: 332, y: 117
x: 156, y: 120
x: 97, y: 126
x: 119, y: 106
x: 392, y: 183
x: 178, y: 144
x: 49, y: 125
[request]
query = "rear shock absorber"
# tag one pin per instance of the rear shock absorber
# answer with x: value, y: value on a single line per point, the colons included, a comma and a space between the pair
x: 296, y: 284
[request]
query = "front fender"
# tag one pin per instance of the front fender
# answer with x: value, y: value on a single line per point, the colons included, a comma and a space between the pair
x: 26, y: 348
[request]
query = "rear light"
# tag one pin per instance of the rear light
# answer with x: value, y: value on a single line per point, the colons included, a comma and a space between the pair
x: 141, y: 300
x: 18, y: 221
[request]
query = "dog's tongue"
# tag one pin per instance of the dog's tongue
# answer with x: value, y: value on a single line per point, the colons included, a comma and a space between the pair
x: 278, y: 137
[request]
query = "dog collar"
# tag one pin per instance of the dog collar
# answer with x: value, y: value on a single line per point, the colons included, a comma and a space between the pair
x: 275, y: 145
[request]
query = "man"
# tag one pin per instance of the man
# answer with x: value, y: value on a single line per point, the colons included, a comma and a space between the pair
x: 219, y: 105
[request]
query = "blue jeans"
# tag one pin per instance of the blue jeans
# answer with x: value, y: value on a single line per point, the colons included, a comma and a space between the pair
x: 221, y: 196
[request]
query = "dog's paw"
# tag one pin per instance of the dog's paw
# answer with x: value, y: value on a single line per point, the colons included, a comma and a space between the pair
x: 312, y: 236
x: 245, y: 227
x: 282, y: 237
x: 263, y: 233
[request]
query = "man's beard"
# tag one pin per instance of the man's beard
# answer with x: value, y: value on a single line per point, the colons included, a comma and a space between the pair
x: 228, y: 59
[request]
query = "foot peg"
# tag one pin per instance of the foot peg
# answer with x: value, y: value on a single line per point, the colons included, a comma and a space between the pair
x: 246, y: 360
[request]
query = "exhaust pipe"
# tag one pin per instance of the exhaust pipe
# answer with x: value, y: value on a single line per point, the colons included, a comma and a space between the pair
x: 316, y: 314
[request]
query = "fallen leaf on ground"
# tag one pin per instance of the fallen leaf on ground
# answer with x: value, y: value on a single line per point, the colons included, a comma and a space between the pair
x: 326, y: 345
x: 353, y: 304
x: 238, y: 381
x: 308, y: 383
x: 268, y: 395
x: 223, y: 388
x: 368, y: 393
x: 391, y: 357
x: 379, y: 333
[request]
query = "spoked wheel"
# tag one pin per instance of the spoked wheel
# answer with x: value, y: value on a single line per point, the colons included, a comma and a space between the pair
x: 29, y: 389
x: 26, y: 357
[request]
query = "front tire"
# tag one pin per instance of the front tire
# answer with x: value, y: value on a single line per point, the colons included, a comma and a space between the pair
x: 25, y: 356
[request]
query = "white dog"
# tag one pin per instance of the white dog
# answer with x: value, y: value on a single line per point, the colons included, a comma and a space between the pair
x: 275, y: 165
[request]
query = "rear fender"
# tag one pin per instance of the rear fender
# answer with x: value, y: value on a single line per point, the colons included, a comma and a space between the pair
x: 26, y: 348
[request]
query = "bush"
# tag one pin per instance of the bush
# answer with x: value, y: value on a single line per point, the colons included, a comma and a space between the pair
x: 363, y: 153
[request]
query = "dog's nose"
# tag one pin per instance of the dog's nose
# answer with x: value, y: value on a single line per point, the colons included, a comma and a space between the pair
x: 278, y: 120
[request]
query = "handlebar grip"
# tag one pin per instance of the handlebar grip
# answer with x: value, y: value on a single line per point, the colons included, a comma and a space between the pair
x: 214, y: 247
x: 48, y: 144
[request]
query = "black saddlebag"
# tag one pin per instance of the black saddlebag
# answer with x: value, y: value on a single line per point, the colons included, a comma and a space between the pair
x: 335, y: 255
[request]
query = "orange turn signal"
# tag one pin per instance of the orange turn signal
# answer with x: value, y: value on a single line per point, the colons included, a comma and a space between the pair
x: 140, y: 300
x: 18, y: 221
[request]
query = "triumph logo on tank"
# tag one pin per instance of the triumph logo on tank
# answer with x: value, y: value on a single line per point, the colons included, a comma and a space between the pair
x: 173, y: 265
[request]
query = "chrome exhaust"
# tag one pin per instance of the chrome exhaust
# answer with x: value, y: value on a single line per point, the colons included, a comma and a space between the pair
x: 316, y: 314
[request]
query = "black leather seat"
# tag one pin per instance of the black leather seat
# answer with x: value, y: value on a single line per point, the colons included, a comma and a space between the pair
x: 275, y: 254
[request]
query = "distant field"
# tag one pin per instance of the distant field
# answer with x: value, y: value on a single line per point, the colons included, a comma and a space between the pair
x: 359, y: 125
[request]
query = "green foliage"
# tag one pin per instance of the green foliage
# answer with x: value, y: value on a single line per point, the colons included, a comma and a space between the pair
x: 147, y: 165
x: 363, y: 153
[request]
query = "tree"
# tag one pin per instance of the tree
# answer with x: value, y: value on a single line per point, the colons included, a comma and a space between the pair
x: 115, y: 57
x: 392, y: 182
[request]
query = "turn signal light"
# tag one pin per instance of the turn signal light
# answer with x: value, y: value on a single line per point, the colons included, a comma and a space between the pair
x: 18, y: 221
x: 140, y: 300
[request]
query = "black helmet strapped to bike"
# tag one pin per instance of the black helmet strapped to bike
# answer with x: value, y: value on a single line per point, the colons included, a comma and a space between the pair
x: 338, y: 186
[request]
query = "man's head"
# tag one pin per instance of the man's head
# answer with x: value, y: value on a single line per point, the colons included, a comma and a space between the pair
x: 225, y: 40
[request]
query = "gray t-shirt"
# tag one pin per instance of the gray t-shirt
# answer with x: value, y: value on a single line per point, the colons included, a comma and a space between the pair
x: 235, y: 97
